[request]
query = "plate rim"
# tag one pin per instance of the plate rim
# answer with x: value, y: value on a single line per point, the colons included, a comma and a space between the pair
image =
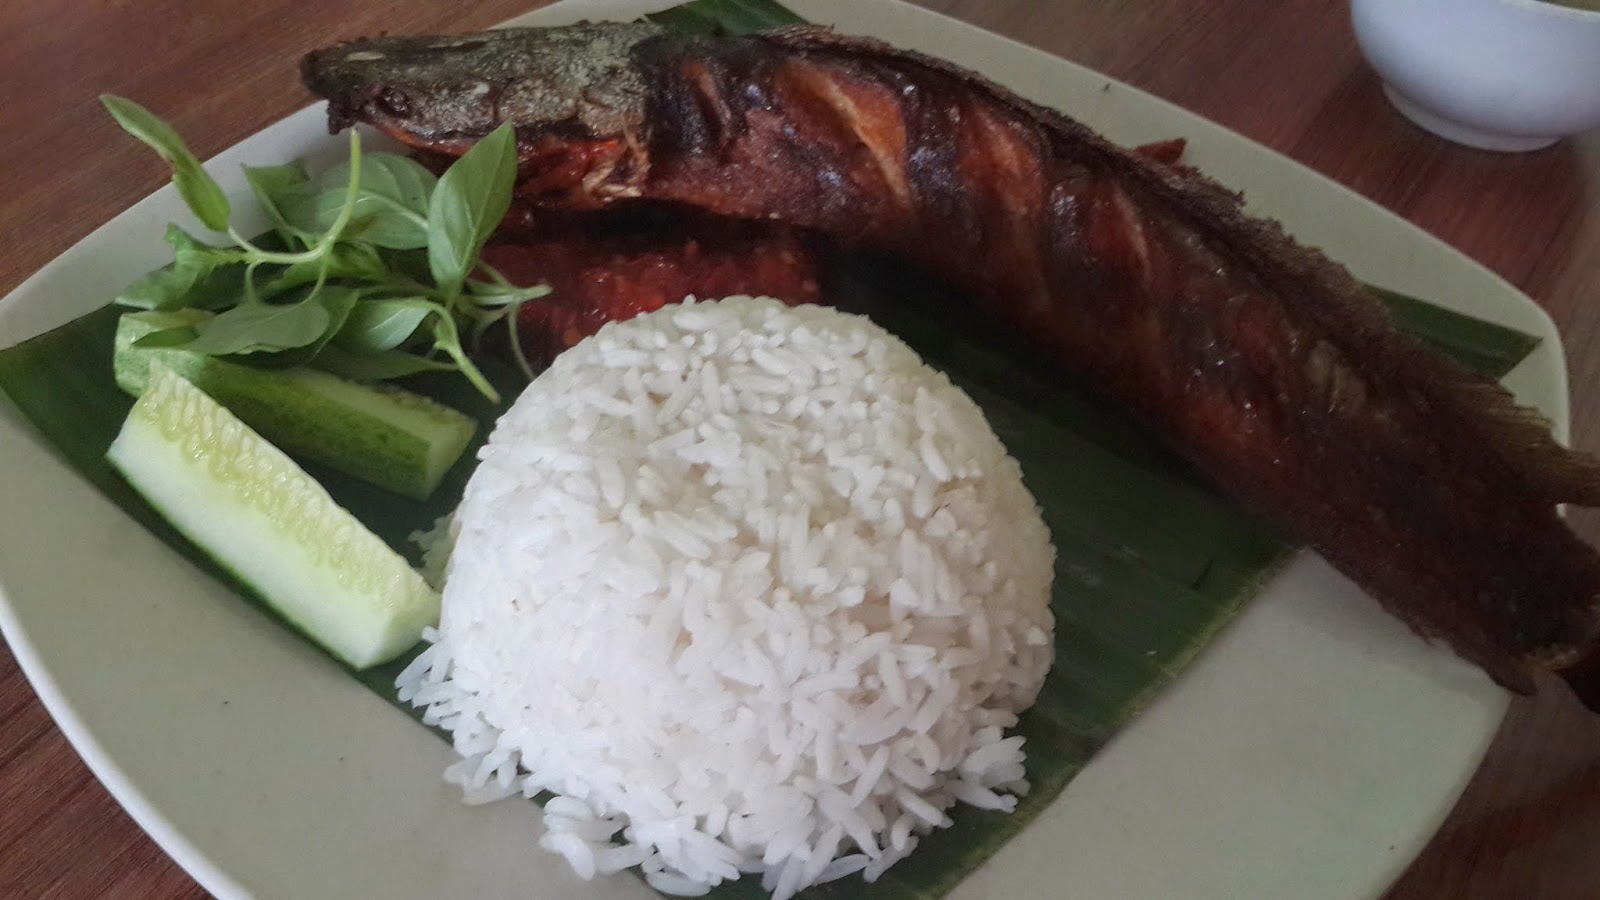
x: 146, y: 812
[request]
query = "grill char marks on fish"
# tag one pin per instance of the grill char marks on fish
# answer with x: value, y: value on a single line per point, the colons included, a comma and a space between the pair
x: 1260, y: 360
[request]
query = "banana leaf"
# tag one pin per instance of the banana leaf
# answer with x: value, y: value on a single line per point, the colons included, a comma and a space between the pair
x: 1151, y: 562
x: 726, y: 16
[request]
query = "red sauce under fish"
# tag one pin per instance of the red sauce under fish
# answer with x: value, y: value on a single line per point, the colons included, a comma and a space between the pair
x: 594, y: 281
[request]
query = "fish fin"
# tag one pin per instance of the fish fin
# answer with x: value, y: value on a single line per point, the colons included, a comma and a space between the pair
x: 1522, y: 437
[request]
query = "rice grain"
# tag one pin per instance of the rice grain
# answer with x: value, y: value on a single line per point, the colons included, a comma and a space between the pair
x: 749, y: 588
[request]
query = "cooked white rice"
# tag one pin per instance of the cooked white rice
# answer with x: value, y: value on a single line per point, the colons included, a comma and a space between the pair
x: 748, y: 589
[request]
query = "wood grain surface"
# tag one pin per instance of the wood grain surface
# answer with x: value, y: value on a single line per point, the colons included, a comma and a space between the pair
x: 1287, y: 74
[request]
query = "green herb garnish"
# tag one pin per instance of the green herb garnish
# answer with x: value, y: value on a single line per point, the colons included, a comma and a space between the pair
x: 202, y: 194
x: 372, y: 269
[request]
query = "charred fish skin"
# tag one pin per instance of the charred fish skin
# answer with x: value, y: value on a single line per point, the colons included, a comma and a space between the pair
x: 1257, y: 358
x: 460, y: 87
x: 574, y: 92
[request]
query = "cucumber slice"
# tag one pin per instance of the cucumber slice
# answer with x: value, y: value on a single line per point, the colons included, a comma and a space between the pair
x: 392, y: 438
x: 258, y: 514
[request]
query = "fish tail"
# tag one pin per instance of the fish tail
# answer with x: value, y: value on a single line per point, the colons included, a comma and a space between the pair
x: 1523, y: 439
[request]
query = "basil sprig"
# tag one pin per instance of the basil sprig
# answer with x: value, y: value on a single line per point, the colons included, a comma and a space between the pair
x: 371, y: 269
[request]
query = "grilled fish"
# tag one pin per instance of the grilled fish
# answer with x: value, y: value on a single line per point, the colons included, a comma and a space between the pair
x: 1257, y: 358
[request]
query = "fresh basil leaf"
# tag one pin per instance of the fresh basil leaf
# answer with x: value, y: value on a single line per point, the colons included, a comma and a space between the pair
x: 182, y: 282
x: 373, y: 219
x: 467, y: 205
x: 497, y: 295
x: 359, y: 261
x: 376, y: 366
x: 168, y: 337
x: 204, y: 196
x: 388, y: 229
x: 291, y: 277
x: 378, y: 325
x: 338, y: 300
x: 314, y: 210
x: 355, y: 262
x: 166, y: 288
x: 146, y: 126
x: 190, y: 250
x: 391, y: 205
x: 224, y: 286
x: 399, y: 179
x: 184, y: 244
x: 262, y: 327
x: 276, y: 187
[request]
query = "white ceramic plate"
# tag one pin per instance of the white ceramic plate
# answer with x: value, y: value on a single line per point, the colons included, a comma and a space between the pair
x: 1310, y: 752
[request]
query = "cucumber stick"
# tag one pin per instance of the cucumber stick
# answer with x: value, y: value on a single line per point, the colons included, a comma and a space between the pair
x: 392, y: 438
x: 252, y: 509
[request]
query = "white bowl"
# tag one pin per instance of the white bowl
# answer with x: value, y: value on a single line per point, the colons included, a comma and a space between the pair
x: 1496, y: 74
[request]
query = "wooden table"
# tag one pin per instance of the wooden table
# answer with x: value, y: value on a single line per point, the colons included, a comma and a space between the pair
x: 1287, y: 74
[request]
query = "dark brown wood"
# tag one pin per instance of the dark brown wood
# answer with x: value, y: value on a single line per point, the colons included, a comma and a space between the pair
x: 1287, y: 74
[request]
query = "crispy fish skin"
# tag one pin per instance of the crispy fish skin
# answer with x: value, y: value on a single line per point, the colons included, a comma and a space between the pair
x: 1259, y: 359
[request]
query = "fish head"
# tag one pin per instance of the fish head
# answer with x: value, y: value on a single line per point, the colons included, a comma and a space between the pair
x: 573, y: 94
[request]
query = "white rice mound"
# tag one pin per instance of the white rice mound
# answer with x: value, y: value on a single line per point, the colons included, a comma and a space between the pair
x: 748, y: 588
